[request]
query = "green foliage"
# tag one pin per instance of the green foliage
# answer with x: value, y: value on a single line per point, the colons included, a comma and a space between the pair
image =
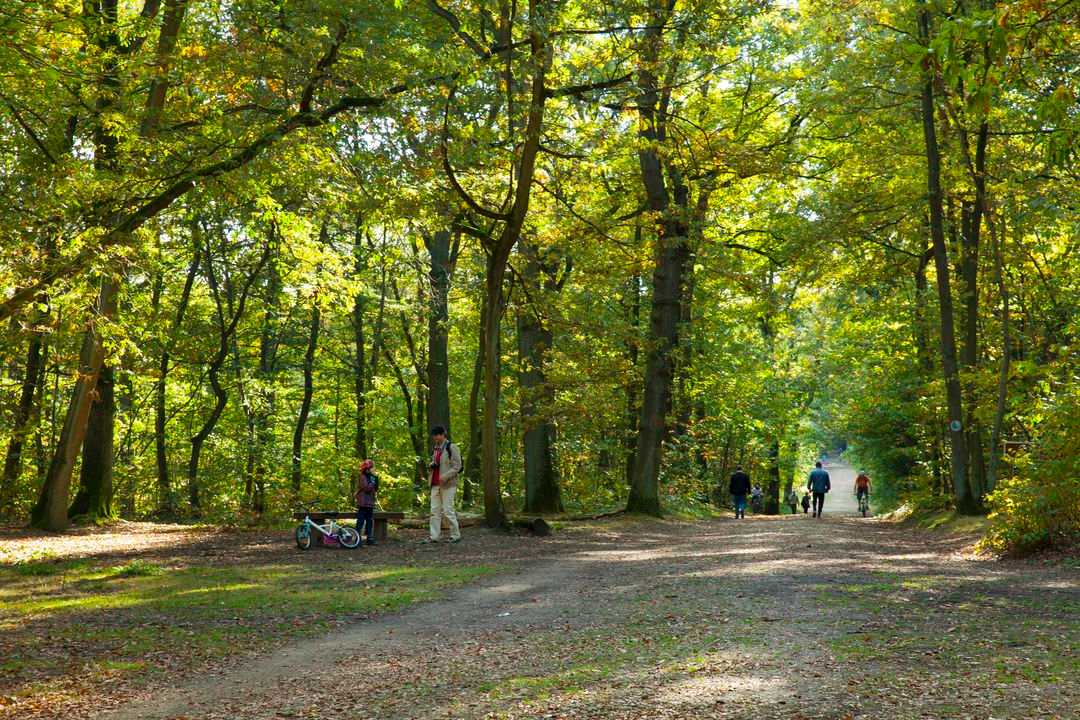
x: 302, y: 152
x: 1038, y: 505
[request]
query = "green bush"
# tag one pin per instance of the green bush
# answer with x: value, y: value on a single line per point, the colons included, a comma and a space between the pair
x: 1038, y: 504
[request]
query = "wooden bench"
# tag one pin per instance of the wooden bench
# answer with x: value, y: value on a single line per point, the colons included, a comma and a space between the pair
x: 382, y: 518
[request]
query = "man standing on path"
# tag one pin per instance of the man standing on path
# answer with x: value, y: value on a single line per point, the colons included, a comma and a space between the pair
x: 739, y: 487
x: 819, y: 485
x: 445, y: 467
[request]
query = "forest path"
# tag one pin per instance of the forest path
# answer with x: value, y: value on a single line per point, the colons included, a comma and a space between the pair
x: 765, y: 617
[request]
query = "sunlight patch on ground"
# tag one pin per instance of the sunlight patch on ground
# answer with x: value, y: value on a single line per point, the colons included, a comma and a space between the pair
x: 708, y: 686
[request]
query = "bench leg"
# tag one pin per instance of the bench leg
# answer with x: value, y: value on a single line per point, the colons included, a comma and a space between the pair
x: 381, y: 529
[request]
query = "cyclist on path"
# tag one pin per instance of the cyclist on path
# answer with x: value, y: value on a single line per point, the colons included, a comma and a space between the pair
x: 862, y: 485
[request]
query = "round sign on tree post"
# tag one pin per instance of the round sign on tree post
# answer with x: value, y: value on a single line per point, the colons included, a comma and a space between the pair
x: 955, y: 426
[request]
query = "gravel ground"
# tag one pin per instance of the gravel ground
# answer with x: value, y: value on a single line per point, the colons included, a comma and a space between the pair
x: 766, y: 617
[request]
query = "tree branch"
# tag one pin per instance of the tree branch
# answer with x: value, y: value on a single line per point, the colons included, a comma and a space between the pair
x: 455, y: 25
x: 579, y: 90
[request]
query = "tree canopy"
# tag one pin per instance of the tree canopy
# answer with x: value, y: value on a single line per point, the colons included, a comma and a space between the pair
x: 617, y: 249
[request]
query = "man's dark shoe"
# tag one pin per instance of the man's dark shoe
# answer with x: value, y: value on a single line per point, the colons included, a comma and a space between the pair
x: 371, y: 541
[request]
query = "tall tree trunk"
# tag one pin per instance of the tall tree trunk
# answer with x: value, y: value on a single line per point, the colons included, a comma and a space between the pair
x: 494, y: 515
x: 514, y: 221
x: 473, y: 462
x: 438, y: 362
x: 226, y: 328
x: 535, y: 340
x: 305, y: 404
x: 794, y: 452
x: 94, y: 497
x: 672, y: 254
x: 166, y: 500
x: 953, y: 392
x: 41, y: 462
x: 969, y: 358
x: 24, y: 420
x: 413, y: 412
x: 633, y: 409
x: 772, y: 483
x: 667, y: 286
x: 721, y: 488
x: 50, y: 512
x: 993, y: 471
x: 266, y: 397
x: 360, y: 369
x: 101, y: 21
x: 926, y: 362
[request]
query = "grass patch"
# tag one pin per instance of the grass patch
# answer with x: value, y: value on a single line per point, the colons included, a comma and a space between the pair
x: 141, y: 617
x: 947, y: 521
x: 136, y: 568
x: 35, y: 567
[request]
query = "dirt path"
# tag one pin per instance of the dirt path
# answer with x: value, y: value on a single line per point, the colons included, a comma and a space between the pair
x: 771, y: 618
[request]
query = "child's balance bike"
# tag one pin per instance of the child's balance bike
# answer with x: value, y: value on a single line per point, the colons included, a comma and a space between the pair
x: 331, y: 533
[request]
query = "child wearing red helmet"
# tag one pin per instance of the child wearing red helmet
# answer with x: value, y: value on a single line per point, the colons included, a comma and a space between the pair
x: 367, y: 484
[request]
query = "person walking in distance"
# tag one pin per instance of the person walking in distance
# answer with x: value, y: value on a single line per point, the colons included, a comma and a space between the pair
x: 819, y: 484
x: 739, y: 487
x: 444, y: 468
x: 792, y: 500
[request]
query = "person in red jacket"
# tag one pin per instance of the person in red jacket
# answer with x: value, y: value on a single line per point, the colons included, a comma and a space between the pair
x: 367, y: 485
x: 862, y: 484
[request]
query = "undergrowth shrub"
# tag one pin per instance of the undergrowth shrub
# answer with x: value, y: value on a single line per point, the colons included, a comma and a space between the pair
x: 1038, y: 504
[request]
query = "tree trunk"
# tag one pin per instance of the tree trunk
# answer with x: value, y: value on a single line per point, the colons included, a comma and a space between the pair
x: 360, y: 359
x: 953, y: 392
x: 266, y: 373
x: 535, y: 340
x: 922, y: 344
x: 50, y: 512
x: 489, y: 438
x: 24, y: 420
x: 226, y: 328
x: 438, y: 363
x: 633, y: 409
x: 360, y: 450
x: 721, y: 493
x: 94, y: 497
x: 1001, y: 406
x: 473, y: 462
x: 166, y: 501
x: 772, y: 484
x: 672, y: 254
x: 305, y: 404
x: 794, y: 451
x: 514, y: 219
x: 413, y: 411
x: 969, y: 357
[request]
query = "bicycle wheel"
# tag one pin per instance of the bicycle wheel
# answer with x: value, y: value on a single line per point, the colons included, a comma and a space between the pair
x: 303, y: 537
x: 348, y: 537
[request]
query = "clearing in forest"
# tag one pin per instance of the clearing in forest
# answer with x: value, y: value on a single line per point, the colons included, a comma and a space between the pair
x: 771, y: 617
